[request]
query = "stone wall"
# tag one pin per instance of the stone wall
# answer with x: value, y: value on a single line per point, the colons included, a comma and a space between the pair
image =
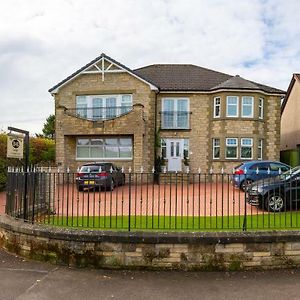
x: 152, y: 250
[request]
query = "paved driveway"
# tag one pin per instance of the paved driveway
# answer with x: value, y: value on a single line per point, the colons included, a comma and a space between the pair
x: 214, y: 199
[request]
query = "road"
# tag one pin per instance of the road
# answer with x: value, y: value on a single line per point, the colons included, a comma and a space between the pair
x: 23, y: 279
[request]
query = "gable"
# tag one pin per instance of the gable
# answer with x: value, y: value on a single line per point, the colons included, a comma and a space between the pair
x: 101, y: 65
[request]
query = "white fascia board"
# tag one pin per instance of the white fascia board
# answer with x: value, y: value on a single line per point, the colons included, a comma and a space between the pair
x: 152, y: 87
x: 221, y: 90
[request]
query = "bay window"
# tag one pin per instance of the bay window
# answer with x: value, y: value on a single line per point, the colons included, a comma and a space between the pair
x: 216, y: 148
x: 231, y: 148
x: 247, y: 107
x: 246, y: 148
x: 232, y: 109
x: 217, y: 107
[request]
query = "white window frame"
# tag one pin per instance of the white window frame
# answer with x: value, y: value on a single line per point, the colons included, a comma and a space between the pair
x: 121, y: 105
x: 102, y: 158
x: 175, y: 121
x: 217, y: 105
x: 186, y: 147
x: 163, y: 145
x: 229, y: 145
x: 215, y: 147
x: 237, y: 106
x: 260, y: 144
x: 252, y: 106
x: 248, y: 146
x: 261, y: 108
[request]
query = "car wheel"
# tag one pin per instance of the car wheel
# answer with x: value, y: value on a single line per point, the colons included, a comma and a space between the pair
x: 245, y: 183
x: 112, y: 185
x: 274, y: 203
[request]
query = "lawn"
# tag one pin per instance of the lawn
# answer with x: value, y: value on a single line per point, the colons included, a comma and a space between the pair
x: 284, y: 220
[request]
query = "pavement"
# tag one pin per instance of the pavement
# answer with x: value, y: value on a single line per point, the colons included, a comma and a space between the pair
x: 25, y: 279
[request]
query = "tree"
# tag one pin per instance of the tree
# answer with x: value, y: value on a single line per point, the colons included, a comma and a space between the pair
x: 49, y: 127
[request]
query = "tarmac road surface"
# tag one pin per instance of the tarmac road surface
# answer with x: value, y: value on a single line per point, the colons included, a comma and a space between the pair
x: 29, y: 280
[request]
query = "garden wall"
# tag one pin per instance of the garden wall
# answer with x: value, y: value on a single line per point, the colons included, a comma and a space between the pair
x: 152, y: 250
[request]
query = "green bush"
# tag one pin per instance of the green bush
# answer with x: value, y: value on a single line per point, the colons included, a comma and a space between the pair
x: 42, y: 152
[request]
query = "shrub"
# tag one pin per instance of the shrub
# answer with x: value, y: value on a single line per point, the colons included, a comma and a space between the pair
x: 42, y: 152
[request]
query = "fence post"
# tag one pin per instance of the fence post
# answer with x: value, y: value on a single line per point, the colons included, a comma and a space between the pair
x: 129, y: 200
x: 245, y: 205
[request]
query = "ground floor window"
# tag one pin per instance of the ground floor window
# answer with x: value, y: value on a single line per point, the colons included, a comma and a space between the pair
x: 260, y: 149
x: 216, y: 148
x: 246, y: 148
x: 104, y: 147
x: 231, y: 148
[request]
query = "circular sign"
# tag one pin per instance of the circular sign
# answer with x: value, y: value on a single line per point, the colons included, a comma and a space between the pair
x: 15, y: 143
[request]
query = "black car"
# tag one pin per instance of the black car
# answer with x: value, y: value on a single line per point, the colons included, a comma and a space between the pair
x: 276, y: 194
x: 99, y: 175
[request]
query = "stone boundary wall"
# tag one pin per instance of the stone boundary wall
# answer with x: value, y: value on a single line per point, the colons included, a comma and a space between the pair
x: 152, y: 250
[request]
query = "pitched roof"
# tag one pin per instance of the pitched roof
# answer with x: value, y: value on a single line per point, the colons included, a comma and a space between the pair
x: 180, y: 77
x: 194, y: 78
x: 295, y: 76
x: 92, y: 62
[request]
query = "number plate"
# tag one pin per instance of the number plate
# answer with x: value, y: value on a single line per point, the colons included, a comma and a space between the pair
x: 89, y: 182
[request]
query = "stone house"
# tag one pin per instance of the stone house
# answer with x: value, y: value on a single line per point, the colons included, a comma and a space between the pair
x: 186, y: 114
x: 290, y: 112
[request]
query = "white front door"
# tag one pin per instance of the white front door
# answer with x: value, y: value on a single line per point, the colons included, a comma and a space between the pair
x: 174, y: 154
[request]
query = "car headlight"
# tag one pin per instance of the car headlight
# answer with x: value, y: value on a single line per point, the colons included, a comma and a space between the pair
x: 256, y: 189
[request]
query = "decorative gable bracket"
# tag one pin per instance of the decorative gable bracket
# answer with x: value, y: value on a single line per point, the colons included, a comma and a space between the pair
x: 103, y: 66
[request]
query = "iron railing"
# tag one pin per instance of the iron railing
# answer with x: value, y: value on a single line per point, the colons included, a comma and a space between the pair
x: 98, y: 113
x: 151, y: 201
x: 175, y: 119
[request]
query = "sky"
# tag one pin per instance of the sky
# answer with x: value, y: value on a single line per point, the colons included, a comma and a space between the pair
x: 44, y: 41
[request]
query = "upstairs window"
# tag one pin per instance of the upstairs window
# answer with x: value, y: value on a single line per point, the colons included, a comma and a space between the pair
x: 175, y: 113
x: 261, y: 108
x: 217, y: 107
x: 247, y: 107
x: 103, y: 107
x: 232, y: 106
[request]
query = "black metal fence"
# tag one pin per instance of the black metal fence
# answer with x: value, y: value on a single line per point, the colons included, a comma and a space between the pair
x: 135, y: 201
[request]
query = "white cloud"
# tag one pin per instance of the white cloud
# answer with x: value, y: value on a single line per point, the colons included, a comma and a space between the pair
x: 42, y: 42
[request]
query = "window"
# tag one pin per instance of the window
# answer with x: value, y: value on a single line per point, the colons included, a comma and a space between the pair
x: 261, y: 108
x: 216, y: 148
x: 260, y: 149
x: 247, y: 107
x: 103, y: 107
x: 217, y: 107
x: 186, y: 148
x: 246, y: 148
x: 175, y: 113
x: 81, y: 106
x: 231, y: 148
x: 163, y: 147
x: 98, y: 147
x: 232, y: 106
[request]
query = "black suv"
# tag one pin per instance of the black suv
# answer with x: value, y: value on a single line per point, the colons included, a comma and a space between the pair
x: 99, y: 175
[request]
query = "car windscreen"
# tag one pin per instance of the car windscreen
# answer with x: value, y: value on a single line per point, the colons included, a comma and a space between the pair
x: 92, y: 169
x: 291, y: 173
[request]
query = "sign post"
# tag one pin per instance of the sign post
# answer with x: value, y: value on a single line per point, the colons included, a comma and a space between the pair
x: 15, y: 150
